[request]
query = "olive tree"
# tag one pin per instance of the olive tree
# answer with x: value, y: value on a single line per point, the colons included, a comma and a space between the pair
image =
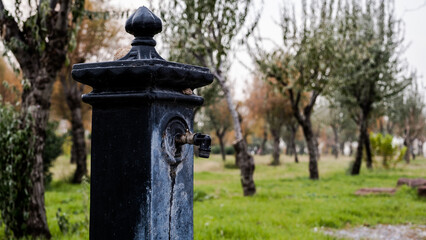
x: 265, y: 103
x: 302, y: 67
x: 369, y: 42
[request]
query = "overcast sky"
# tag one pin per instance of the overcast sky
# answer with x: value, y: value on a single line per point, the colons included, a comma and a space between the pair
x: 412, y: 12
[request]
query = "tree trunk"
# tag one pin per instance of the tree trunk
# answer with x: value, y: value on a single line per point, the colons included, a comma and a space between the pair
x: 242, y: 158
x: 316, y: 144
x: 336, y: 141
x: 73, y: 149
x: 408, y: 145
x: 79, y: 145
x: 296, y: 158
x: 368, y: 150
x: 362, y: 139
x: 246, y: 167
x: 78, y: 151
x: 305, y: 121
x: 293, y: 130
x: 381, y: 127
x: 220, y: 136
x: 263, y: 145
x: 36, y: 102
x: 419, y: 147
x: 413, y: 154
x: 276, y: 153
x: 312, y: 145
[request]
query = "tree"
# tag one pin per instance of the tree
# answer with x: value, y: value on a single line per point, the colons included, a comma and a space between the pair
x: 369, y: 65
x: 219, y: 119
x: 342, y: 120
x: 262, y: 147
x: 39, y: 44
x: 407, y: 113
x: 202, y: 33
x: 332, y: 114
x: 302, y: 68
x: 336, y: 119
x: 291, y: 132
x: 265, y: 102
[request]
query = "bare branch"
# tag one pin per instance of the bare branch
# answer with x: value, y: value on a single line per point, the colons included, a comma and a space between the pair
x: 295, y: 105
x: 309, y: 107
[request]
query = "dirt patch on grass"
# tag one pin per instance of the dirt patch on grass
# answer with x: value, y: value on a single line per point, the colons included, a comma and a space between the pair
x: 388, y: 232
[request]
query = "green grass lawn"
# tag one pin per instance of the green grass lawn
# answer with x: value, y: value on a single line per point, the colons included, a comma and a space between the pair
x: 287, y: 205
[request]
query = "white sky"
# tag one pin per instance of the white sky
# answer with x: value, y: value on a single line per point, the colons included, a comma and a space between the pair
x: 412, y: 12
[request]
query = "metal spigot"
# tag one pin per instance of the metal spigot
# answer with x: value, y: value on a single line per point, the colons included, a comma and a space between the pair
x: 198, y: 139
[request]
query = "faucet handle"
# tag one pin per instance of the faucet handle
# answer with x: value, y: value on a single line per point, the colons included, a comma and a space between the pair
x: 204, y: 141
x: 198, y: 139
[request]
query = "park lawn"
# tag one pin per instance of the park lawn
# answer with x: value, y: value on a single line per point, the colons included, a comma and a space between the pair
x: 287, y: 205
x: 290, y: 206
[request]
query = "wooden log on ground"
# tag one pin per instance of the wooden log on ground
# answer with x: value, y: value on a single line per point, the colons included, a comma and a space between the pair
x: 412, y: 182
x: 370, y: 191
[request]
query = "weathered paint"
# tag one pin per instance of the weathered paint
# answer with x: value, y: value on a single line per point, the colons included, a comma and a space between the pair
x: 137, y: 190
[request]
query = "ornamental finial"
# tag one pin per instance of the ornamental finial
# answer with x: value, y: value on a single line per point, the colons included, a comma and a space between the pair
x: 143, y: 24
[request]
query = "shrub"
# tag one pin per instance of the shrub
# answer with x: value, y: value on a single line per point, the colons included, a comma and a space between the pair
x: 15, y: 167
x: 229, y: 150
x: 16, y: 150
x: 216, y: 149
x: 382, y: 146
